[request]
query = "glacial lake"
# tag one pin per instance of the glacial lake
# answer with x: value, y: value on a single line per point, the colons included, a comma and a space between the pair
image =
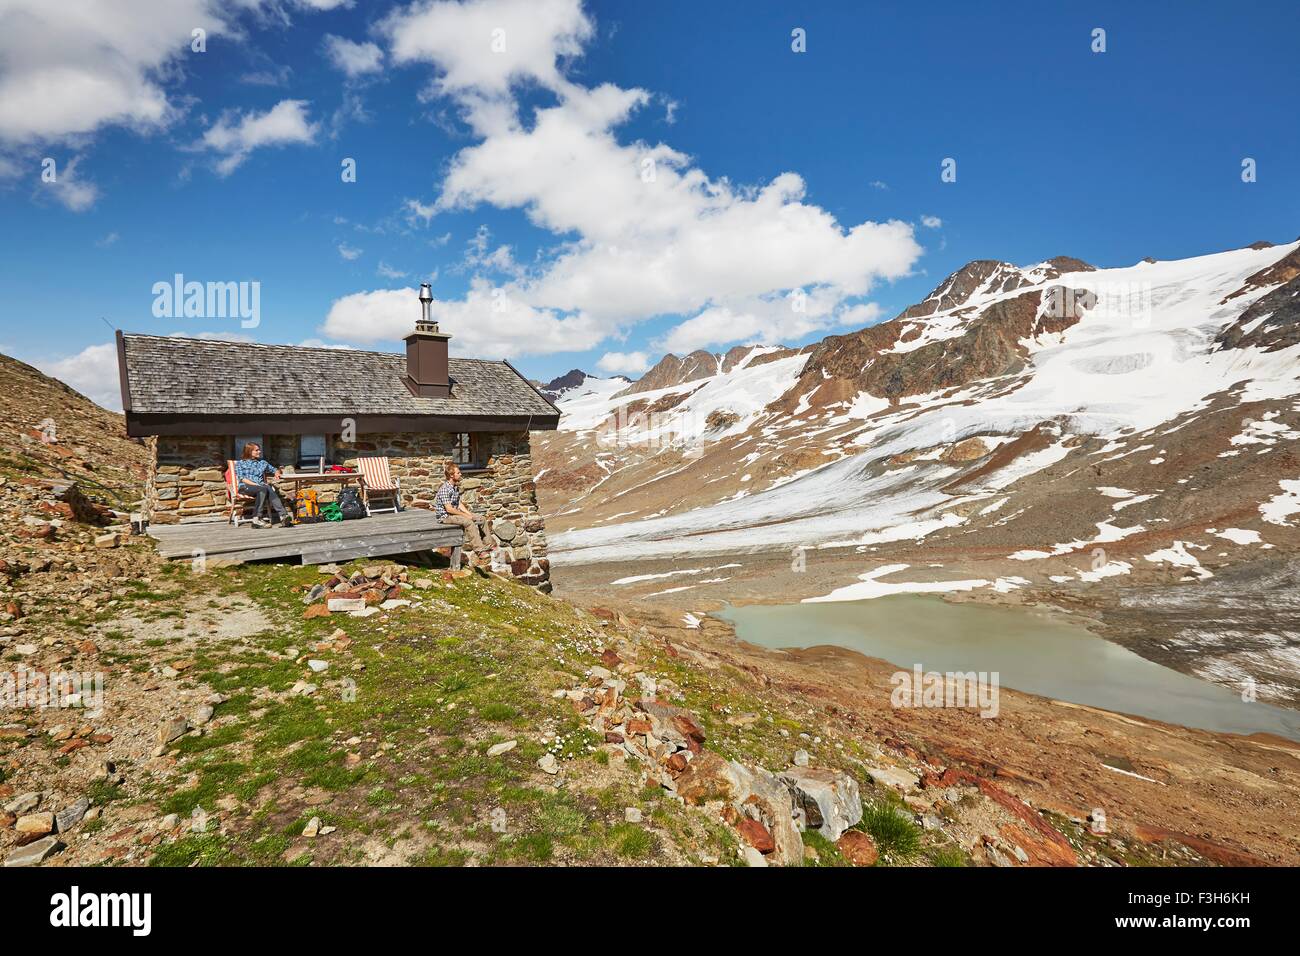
x: 1031, y: 650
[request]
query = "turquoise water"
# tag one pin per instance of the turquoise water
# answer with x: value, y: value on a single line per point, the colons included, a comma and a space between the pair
x: 1030, y: 650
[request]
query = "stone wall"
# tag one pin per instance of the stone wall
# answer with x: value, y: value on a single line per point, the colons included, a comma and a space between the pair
x: 502, y: 490
x: 187, y: 484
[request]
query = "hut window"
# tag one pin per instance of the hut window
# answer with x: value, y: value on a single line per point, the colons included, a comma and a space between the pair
x: 463, y: 448
x: 311, y: 449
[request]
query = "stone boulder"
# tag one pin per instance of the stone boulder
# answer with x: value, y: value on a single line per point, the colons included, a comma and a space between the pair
x: 829, y: 798
x: 760, y: 796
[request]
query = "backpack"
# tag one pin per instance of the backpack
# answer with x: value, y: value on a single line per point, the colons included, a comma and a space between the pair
x: 350, y: 504
x: 330, y: 511
x: 308, y: 504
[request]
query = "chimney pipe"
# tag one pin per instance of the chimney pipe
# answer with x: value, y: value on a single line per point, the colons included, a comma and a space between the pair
x: 426, y: 303
x: 426, y: 353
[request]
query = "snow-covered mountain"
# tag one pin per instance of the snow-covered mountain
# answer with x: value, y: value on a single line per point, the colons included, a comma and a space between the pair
x: 1150, y: 398
x: 572, y: 383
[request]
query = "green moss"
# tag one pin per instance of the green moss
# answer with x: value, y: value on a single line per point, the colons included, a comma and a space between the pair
x: 946, y: 856
x: 220, y: 737
x: 498, y: 712
x: 207, y: 849
x: 630, y: 841
x: 441, y: 856
x: 828, y: 854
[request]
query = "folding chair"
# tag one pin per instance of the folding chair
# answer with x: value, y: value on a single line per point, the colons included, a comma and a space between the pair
x: 237, y: 501
x: 378, y: 483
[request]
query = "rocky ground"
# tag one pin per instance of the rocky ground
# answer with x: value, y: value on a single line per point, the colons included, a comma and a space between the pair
x: 404, y: 714
x: 474, y: 721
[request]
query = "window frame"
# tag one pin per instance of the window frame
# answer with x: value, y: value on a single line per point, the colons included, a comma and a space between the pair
x: 312, y: 459
x: 470, y: 448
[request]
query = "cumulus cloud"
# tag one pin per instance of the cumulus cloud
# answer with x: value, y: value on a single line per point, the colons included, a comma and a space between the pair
x: 644, y: 230
x: 350, y: 253
x: 859, y: 316
x: 487, y: 321
x: 354, y: 59
x: 931, y: 222
x: 236, y: 135
x: 388, y: 272
x: 71, y: 67
x: 480, y: 49
x: 92, y: 372
x: 623, y: 363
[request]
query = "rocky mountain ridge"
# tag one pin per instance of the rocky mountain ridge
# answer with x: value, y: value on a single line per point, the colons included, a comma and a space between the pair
x: 1160, y: 403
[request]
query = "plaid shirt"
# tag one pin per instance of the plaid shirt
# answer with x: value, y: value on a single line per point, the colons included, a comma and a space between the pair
x: 254, y: 469
x: 448, y: 494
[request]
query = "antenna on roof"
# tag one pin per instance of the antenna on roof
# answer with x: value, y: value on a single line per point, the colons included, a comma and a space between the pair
x: 108, y: 323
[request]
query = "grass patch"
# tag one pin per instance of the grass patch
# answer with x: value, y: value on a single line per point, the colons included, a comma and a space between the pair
x: 897, y: 838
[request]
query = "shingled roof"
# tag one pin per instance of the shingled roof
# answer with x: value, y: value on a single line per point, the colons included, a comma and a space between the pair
x: 174, y: 380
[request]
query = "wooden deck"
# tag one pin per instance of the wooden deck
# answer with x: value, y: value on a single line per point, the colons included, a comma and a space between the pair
x: 391, y: 534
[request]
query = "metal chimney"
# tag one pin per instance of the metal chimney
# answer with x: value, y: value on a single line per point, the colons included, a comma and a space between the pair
x: 426, y: 323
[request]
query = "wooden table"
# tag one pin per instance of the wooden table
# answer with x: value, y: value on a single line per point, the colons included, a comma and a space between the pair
x: 321, y: 478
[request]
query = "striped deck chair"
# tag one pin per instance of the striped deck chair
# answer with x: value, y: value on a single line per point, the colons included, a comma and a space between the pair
x: 238, y: 502
x: 379, y: 484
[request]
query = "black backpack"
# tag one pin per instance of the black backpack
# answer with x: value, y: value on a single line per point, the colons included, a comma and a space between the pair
x: 350, y: 504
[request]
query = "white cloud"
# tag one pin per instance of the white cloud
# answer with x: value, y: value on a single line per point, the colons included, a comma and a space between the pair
x: 418, y: 210
x: 481, y: 48
x: 860, y: 316
x: 354, y: 59
x: 774, y: 320
x: 388, y: 272
x: 92, y: 372
x: 931, y: 222
x: 350, y: 253
x: 645, y: 232
x: 70, y: 67
x: 628, y: 363
x: 236, y: 135
x: 70, y: 189
x: 488, y: 322
x: 109, y: 240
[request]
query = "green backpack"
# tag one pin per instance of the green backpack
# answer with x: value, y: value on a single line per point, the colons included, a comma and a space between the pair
x: 331, y: 511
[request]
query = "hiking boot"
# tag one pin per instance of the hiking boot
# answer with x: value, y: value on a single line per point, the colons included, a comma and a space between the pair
x: 261, y: 523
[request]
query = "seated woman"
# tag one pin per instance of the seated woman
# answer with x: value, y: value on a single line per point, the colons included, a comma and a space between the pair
x: 250, y: 473
x: 448, y: 510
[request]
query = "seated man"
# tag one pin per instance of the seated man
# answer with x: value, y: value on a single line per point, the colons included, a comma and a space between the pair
x: 250, y: 473
x: 448, y: 510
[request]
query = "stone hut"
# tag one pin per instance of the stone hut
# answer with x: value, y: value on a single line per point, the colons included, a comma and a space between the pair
x: 197, y: 401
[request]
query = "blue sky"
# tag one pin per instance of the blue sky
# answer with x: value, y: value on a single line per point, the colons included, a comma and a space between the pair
x: 510, y: 169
